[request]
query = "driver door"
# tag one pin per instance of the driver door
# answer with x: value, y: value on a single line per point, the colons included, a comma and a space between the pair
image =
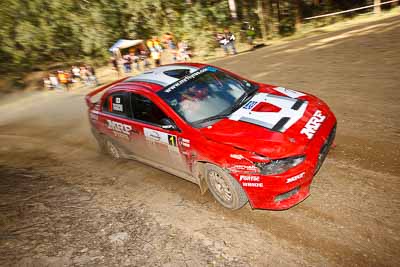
x: 163, y: 146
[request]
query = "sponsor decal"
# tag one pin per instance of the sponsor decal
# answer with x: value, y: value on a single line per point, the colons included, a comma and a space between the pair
x: 184, y: 142
x: 172, y: 140
x: 253, y: 184
x: 313, y: 124
x: 121, y: 135
x: 212, y: 69
x: 155, y: 136
x: 118, y: 107
x: 184, y: 80
x: 250, y: 105
x: 119, y: 127
x: 289, y: 92
x: 244, y: 168
x: 115, y: 104
x: 295, y: 178
x: 250, y: 178
x: 158, y: 137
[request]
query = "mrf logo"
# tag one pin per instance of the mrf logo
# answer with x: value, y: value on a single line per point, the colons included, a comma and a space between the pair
x: 119, y: 127
x: 313, y: 124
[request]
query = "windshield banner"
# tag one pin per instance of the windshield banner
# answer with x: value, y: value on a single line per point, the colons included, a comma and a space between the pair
x: 186, y: 79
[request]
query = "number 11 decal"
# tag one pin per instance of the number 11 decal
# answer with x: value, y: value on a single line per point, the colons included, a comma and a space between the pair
x: 172, y: 140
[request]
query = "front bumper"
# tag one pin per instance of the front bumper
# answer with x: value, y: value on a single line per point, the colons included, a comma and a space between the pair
x: 280, y: 192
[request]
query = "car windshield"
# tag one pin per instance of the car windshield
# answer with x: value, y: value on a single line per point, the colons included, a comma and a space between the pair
x: 206, y: 95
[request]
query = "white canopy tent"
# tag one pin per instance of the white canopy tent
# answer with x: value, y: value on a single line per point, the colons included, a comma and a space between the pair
x: 124, y: 44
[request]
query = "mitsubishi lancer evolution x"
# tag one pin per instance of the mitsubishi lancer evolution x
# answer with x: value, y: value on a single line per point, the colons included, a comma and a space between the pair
x: 242, y: 140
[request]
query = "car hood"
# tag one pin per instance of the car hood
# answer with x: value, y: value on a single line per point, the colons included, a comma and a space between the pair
x: 268, y: 124
x: 253, y: 138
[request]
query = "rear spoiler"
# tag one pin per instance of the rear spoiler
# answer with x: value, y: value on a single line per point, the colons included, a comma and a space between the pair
x: 88, y: 97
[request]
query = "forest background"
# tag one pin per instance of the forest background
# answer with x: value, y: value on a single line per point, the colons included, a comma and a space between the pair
x: 36, y: 34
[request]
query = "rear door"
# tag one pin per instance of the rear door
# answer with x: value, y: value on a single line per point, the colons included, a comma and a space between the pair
x: 115, y: 120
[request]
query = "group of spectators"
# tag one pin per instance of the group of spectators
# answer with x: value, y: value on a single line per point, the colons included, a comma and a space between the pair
x: 142, y: 58
x: 178, y: 51
x: 135, y: 57
x: 63, y: 79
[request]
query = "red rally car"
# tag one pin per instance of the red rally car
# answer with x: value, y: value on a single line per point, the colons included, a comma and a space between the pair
x: 242, y: 140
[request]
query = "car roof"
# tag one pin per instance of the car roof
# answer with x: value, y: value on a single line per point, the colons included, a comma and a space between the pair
x: 163, y: 75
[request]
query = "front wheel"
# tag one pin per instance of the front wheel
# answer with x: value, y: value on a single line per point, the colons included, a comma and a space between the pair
x: 225, y: 189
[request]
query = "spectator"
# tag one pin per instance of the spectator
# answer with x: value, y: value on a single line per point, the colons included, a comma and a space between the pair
x: 47, y: 83
x: 54, y: 81
x: 115, y: 66
x: 227, y: 41
x: 221, y: 40
x: 156, y: 56
x: 63, y: 77
x: 249, y: 31
x: 144, y: 58
x: 76, y: 73
x: 135, y: 58
x: 157, y: 44
x: 175, y: 55
x: 183, y: 51
x: 168, y: 40
x: 150, y: 45
x: 84, y: 75
x: 92, y: 75
x: 127, y: 63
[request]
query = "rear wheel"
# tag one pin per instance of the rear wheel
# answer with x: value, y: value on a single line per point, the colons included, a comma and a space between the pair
x: 108, y: 146
x: 225, y: 189
x: 112, y: 149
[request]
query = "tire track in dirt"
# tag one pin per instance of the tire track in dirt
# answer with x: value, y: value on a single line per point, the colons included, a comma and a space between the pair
x: 160, y: 195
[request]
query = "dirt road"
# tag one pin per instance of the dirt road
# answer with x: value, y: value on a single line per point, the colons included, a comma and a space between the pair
x: 64, y: 204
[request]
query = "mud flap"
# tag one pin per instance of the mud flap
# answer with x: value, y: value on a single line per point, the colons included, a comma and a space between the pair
x: 199, y: 173
x: 203, y: 185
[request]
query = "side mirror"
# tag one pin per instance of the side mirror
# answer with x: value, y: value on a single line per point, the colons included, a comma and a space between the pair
x: 168, y: 124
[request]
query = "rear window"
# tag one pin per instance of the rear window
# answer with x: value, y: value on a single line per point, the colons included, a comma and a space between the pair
x: 117, y: 104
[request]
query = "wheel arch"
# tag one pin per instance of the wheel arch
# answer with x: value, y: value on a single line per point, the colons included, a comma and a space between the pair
x: 102, y: 137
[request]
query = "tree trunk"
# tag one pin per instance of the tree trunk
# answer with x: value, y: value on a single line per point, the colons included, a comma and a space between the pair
x: 263, y: 15
x: 298, y: 12
x: 274, y: 17
x: 232, y: 8
x: 245, y: 11
x: 377, y: 9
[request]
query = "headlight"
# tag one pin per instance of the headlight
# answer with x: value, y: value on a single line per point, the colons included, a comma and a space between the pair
x: 279, y: 166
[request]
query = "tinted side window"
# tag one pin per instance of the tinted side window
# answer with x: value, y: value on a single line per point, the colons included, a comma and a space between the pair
x: 179, y: 73
x: 117, y: 104
x: 145, y: 110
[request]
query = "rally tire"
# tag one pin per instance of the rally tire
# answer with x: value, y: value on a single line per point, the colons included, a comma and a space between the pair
x: 112, y: 149
x: 224, y: 188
